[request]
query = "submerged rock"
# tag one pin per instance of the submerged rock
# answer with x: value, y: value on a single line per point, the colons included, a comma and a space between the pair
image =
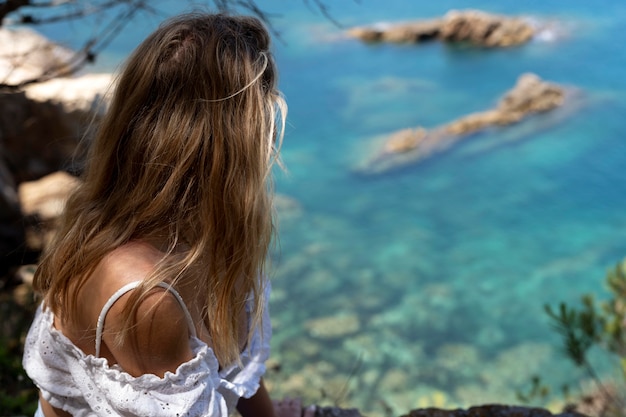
x: 530, y: 95
x: 472, y: 26
x: 333, y: 326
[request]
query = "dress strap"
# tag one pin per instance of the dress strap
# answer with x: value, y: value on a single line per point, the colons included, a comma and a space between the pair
x: 129, y: 287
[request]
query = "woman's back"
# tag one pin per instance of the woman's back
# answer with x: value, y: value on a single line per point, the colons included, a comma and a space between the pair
x: 174, y: 199
x: 161, y: 348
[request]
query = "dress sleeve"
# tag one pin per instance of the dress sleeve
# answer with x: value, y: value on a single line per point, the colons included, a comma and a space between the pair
x: 84, y: 385
x: 190, y: 391
x: 244, y: 380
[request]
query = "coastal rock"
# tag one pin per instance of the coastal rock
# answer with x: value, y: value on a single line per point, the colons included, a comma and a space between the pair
x: 88, y: 94
x: 45, y: 198
x: 42, y: 125
x: 26, y: 55
x: 490, y: 410
x: 37, y: 138
x: 405, y: 140
x: 413, y: 32
x: 472, y: 26
x: 42, y: 203
x: 484, y: 29
x: 337, y: 412
x: 41, y: 129
x: 530, y: 95
x: 12, y: 233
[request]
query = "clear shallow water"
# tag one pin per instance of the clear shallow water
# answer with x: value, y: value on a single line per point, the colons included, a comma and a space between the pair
x: 425, y: 286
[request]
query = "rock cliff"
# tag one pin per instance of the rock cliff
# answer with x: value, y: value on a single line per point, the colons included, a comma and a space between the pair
x: 41, y: 127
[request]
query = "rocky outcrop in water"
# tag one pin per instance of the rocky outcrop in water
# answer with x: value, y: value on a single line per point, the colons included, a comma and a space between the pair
x: 471, y: 26
x: 530, y: 95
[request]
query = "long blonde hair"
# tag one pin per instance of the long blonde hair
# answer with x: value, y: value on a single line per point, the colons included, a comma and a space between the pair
x: 184, y: 154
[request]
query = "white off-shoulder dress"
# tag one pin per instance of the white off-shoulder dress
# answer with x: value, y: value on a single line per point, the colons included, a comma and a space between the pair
x: 85, y: 385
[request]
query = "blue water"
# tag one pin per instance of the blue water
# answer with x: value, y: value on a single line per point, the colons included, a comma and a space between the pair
x: 436, y: 273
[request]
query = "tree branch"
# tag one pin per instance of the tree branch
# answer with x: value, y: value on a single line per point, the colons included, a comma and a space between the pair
x: 86, y: 54
x: 55, y: 11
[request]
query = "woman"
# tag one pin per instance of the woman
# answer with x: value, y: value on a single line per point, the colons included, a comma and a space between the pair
x: 154, y: 297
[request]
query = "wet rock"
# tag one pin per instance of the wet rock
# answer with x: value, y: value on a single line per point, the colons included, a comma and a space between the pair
x: 405, y: 140
x: 529, y: 96
x: 484, y: 29
x: 404, y: 32
x: 471, y: 26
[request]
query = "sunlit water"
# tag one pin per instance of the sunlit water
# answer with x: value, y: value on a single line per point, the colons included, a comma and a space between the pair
x: 425, y: 286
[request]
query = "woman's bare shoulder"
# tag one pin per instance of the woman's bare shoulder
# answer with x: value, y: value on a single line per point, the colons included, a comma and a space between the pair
x: 158, y: 342
x: 131, y: 262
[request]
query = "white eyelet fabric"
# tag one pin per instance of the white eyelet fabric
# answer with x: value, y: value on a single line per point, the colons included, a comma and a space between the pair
x: 85, y: 385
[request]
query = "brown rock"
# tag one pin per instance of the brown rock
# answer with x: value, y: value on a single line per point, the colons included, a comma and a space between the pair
x: 405, y: 140
x: 412, y: 32
x: 484, y: 29
x: 365, y: 34
x: 529, y: 95
x: 12, y: 234
x: 25, y: 55
x: 336, y: 412
x: 473, y: 122
x: 45, y: 198
x: 37, y: 137
x: 42, y: 203
x: 472, y: 26
x: 490, y: 411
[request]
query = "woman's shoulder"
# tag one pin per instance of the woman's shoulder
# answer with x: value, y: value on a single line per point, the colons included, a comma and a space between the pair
x: 131, y: 262
x: 160, y: 322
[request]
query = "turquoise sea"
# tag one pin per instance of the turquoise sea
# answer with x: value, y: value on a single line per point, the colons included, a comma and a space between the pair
x: 425, y: 286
